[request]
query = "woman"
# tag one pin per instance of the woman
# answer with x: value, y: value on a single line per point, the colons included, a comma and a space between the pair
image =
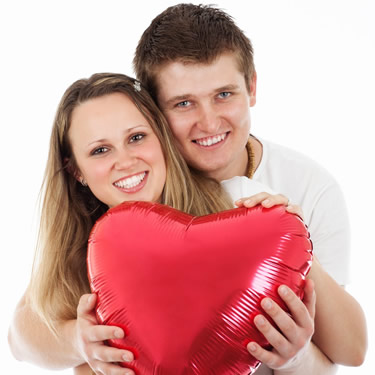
x: 109, y: 144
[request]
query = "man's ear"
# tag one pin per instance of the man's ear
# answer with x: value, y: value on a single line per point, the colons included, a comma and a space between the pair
x: 253, y: 89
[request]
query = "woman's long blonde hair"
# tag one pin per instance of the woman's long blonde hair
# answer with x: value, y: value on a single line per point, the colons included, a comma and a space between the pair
x: 69, y: 209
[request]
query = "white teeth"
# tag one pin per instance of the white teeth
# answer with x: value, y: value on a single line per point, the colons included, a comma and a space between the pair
x: 131, y: 181
x: 212, y: 140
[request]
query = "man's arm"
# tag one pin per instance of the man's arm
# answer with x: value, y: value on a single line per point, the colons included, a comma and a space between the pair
x: 77, y: 341
x: 293, y: 352
x: 339, y: 319
x: 313, y: 362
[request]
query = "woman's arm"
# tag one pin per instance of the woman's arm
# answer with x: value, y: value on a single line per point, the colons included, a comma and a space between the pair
x: 32, y: 341
x: 77, y: 342
x: 340, y: 324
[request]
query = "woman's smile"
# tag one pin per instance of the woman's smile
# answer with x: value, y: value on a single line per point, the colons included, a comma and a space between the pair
x: 132, y: 184
x: 116, y: 150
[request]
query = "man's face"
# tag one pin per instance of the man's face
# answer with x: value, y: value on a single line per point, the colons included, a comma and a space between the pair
x: 208, y: 109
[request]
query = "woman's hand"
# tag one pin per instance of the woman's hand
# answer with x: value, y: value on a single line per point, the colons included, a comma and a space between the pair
x: 90, y: 337
x: 268, y: 200
x: 291, y: 342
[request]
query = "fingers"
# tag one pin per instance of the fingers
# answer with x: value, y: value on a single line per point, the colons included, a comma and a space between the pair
x: 104, y: 359
x: 309, y: 298
x: 265, y: 199
x: 108, y: 354
x: 91, y: 336
x: 293, y: 332
x: 86, y: 306
x: 269, y: 200
x: 281, y: 343
x: 269, y: 358
x: 300, y: 313
x: 103, y: 368
x: 102, y: 333
x: 294, y: 209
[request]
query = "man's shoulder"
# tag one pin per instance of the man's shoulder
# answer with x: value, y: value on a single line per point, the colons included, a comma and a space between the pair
x: 287, y: 160
x: 292, y: 173
x: 277, y: 151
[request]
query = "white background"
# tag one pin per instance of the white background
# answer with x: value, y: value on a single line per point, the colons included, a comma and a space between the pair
x: 315, y: 63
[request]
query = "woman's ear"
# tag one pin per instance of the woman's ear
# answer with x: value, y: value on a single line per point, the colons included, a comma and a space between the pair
x: 73, y: 170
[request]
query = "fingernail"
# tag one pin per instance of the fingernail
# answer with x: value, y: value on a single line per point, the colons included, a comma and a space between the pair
x: 283, y: 290
x: 260, y: 320
x: 248, y: 202
x: 266, y: 202
x: 90, y: 299
x: 118, y: 334
x: 252, y: 347
x: 127, y: 357
x: 266, y: 303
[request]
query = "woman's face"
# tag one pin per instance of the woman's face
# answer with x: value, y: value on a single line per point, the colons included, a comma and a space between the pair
x: 116, y: 150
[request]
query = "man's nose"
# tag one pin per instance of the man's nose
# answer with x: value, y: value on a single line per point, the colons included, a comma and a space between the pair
x: 209, y: 119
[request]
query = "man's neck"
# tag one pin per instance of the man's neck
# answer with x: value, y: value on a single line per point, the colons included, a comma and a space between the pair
x: 241, y: 168
x: 257, y: 149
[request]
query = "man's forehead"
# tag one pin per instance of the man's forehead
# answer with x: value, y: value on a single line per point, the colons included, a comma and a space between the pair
x: 192, y: 78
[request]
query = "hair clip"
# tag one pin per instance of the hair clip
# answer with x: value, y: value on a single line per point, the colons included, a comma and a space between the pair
x: 137, y: 86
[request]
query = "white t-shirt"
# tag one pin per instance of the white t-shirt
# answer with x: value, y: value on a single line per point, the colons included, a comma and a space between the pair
x: 309, y: 185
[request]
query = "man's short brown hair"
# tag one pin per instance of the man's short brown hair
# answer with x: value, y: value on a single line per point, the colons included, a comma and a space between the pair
x: 190, y: 33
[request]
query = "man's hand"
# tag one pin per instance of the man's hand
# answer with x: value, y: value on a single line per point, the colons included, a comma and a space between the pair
x: 268, y: 200
x: 90, y: 339
x: 291, y: 343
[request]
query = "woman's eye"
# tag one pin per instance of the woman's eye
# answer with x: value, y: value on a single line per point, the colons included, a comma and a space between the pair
x: 136, y: 137
x: 99, y: 150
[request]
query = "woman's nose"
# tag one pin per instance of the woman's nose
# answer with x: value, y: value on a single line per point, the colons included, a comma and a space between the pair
x: 125, y: 160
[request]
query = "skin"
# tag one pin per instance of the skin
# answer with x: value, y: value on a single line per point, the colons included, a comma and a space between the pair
x: 107, y: 147
x: 208, y: 109
x: 80, y: 342
x: 117, y: 153
x: 206, y: 102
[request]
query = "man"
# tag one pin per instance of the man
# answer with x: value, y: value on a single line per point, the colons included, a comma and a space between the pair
x: 199, y: 67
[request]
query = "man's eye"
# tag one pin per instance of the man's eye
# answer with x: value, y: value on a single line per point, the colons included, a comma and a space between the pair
x: 185, y: 103
x: 99, y: 150
x: 224, y: 94
x: 136, y: 138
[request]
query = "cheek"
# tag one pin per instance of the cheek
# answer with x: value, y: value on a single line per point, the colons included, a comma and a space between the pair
x: 151, y: 153
x: 157, y: 161
x: 95, y: 171
x: 180, y: 125
x: 239, y: 115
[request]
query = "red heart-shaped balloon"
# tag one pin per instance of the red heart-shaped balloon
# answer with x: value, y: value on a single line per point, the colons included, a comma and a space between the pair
x: 186, y: 289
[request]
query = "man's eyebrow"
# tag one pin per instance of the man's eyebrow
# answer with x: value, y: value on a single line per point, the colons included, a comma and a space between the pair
x: 230, y: 87
x: 178, y: 98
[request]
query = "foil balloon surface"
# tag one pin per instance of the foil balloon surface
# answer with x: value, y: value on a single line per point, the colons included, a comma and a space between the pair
x: 186, y: 289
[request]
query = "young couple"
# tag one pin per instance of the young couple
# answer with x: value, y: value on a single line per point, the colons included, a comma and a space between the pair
x: 110, y: 143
